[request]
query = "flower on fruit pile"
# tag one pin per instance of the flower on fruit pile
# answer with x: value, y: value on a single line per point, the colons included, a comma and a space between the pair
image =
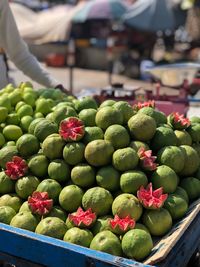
x: 71, y: 129
x: 40, y: 203
x: 139, y: 105
x: 151, y: 199
x: 122, y: 224
x: 16, y: 168
x: 82, y: 218
x: 178, y: 121
x: 147, y: 161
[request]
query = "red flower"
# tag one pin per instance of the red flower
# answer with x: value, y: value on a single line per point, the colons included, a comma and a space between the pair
x: 139, y: 105
x: 151, y: 199
x: 82, y: 218
x: 40, y: 203
x: 16, y: 168
x: 71, y: 129
x: 147, y: 160
x: 178, y: 121
x: 124, y: 224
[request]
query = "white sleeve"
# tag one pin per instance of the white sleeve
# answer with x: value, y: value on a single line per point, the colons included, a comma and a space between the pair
x: 17, y: 50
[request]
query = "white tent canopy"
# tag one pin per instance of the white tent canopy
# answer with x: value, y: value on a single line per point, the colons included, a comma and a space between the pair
x: 52, y: 25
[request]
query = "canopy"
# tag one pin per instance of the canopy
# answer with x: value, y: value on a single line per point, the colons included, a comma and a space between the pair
x: 154, y: 15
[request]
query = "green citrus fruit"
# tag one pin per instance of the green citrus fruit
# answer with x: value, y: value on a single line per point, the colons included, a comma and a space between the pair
x: 166, y: 178
x: 52, y: 146
x: 29, y: 98
x: 83, y: 175
x: 102, y: 224
x: 38, y: 165
x: 6, y: 214
x: 98, y: 199
x: 25, y: 207
x: 194, y: 131
x: 108, y: 178
x: 173, y: 157
x: 73, y: 153
x: 13, y: 118
x: 38, y: 115
x: 117, y: 135
x: 142, y: 127
x: 108, y: 116
x: 19, y: 105
x: 137, y: 244
x: 191, y: 186
x: 62, y: 113
x: 3, y: 114
x: 25, y: 122
x: 24, y: 220
x: 59, y: 170
x: 6, y: 184
x: 12, y: 132
x: 92, y: 133
x: 108, y: 242
x: 27, y: 145
x: 127, y: 204
x: 58, y: 212
x: 106, y: 103
x: 81, y: 237
x: 88, y: 116
x: 131, y: 181
x: 44, y: 128
x: 33, y: 124
x: 15, y: 97
x: 158, y: 116
x: 25, y: 110
x: 183, y: 138
x: 94, y: 151
x: 70, y: 198
x: 125, y: 159
x: 6, y: 154
x: 26, y: 185
x: 182, y: 193
x: 85, y: 103
x: 136, y: 145
x: 191, y: 161
x: 52, y: 187
x: 125, y: 109
x: 176, y: 205
x: 5, y: 102
x: 2, y: 140
x: 42, y: 106
x: 11, y: 200
x: 164, y: 136
x: 159, y: 222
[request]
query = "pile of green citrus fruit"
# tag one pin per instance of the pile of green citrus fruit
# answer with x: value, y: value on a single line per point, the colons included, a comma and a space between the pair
x: 109, y: 177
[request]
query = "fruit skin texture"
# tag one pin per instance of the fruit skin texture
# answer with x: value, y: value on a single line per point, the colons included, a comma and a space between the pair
x: 99, y: 153
x: 191, y: 161
x: 102, y: 224
x: 125, y: 159
x: 45, y: 128
x: 92, y: 133
x: 52, y: 146
x: 12, y: 132
x: 183, y: 138
x: 173, y: 157
x: 106, y: 241
x: 73, y: 153
x: 59, y: 170
x: 164, y: 177
x: 52, y: 187
x: 25, y: 186
x: 164, y: 136
x: 52, y: 226
x: 83, y: 175
x: 117, y: 135
x: 126, y: 110
x: 11, y: 200
x: 6, y: 184
x: 38, y: 165
x: 127, y: 204
x: 142, y: 127
x: 158, y: 222
x: 27, y: 145
x: 108, y: 178
x: 137, y: 244
x: 6, y: 214
x: 98, y: 199
x: 81, y: 237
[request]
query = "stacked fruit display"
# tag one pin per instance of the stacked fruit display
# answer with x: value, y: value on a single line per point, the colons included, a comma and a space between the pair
x: 107, y: 177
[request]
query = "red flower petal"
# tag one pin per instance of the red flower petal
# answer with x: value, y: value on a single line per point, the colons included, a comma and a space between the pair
x: 123, y: 224
x: 40, y: 203
x: 16, y: 168
x: 81, y: 217
x: 151, y: 199
x: 71, y: 129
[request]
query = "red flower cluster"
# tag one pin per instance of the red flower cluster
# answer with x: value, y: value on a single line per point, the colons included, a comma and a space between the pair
x: 40, y: 203
x: 16, y: 168
x: 71, y: 129
x: 124, y: 224
x: 147, y: 160
x: 82, y: 218
x: 151, y: 199
x: 139, y: 105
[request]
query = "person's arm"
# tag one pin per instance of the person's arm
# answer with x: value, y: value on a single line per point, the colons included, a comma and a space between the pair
x: 17, y: 50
